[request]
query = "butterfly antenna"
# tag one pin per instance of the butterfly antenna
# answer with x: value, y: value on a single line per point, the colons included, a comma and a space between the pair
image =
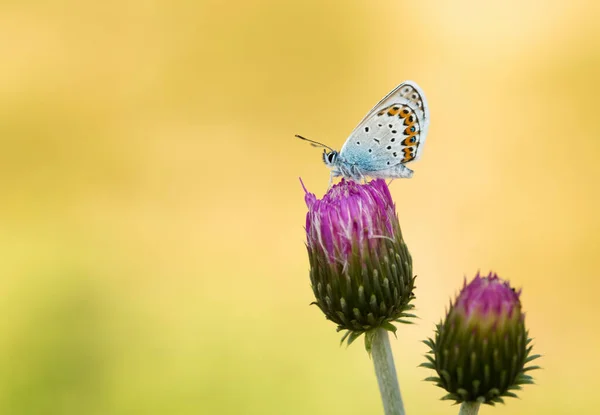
x: 314, y: 143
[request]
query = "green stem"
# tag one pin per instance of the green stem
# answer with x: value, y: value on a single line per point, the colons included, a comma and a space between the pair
x: 383, y: 360
x: 469, y: 408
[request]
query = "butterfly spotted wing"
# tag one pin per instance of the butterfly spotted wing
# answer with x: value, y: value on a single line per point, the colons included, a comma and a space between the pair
x: 392, y: 133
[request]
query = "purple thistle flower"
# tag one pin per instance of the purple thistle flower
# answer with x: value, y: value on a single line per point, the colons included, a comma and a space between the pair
x: 360, y: 267
x: 487, y: 303
x: 481, y: 348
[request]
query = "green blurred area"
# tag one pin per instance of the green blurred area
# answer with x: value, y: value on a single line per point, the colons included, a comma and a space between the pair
x: 151, y: 219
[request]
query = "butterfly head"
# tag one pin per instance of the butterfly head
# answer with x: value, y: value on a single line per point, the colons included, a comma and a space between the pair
x: 330, y: 157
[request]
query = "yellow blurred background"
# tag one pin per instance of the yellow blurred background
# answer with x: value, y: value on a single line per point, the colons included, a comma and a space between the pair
x: 152, y: 255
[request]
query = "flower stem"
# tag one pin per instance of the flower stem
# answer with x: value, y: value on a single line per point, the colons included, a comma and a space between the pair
x: 469, y: 408
x: 383, y: 360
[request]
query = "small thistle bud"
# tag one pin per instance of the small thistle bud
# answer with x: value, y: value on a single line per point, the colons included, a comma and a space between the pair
x: 481, y: 349
x: 360, y: 267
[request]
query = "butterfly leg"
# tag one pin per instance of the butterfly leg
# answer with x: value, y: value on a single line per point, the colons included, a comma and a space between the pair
x: 358, y: 175
x: 390, y: 182
x: 330, y: 181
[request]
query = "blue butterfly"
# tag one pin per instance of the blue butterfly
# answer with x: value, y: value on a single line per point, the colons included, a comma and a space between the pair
x: 392, y: 134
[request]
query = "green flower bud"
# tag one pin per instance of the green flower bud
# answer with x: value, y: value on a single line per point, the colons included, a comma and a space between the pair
x: 481, y: 349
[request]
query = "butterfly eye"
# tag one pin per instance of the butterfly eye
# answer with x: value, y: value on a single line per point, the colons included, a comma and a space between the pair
x: 331, y: 157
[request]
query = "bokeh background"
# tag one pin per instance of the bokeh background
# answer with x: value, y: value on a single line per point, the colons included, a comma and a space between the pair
x: 152, y: 253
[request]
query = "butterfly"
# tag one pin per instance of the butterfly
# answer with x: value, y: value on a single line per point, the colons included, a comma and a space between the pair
x: 391, y: 134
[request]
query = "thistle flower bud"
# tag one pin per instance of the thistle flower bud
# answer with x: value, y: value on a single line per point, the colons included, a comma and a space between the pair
x: 481, y: 349
x: 360, y: 267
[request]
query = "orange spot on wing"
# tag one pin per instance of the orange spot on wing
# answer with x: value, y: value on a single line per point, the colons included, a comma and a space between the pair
x: 393, y: 110
x: 404, y: 112
x: 408, y: 154
x: 409, y: 141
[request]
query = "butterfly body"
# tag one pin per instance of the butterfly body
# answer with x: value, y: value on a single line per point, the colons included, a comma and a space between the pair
x: 355, y: 170
x: 392, y: 134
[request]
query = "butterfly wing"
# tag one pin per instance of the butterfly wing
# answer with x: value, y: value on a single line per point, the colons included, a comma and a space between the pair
x: 393, y: 132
